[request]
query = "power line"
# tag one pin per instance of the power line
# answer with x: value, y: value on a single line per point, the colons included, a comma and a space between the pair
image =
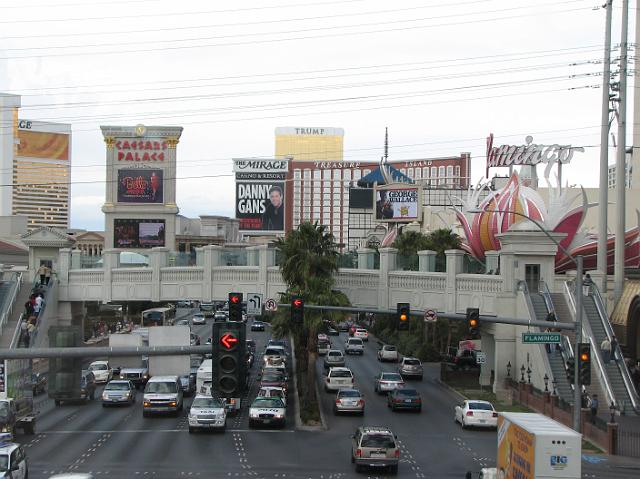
x: 288, y: 38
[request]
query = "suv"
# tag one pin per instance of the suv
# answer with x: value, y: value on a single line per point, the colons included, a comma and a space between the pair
x: 374, y: 446
x: 338, y: 378
x: 410, y: 368
x: 87, y: 390
x: 354, y: 346
x: 162, y: 394
x: 333, y: 358
x: 388, y: 353
x: 14, y: 461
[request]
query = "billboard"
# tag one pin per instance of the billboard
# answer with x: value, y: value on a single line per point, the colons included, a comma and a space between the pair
x: 50, y: 146
x: 260, y: 205
x: 397, y: 204
x: 138, y: 233
x: 140, y: 186
x: 516, y: 451
x: 360, y: 198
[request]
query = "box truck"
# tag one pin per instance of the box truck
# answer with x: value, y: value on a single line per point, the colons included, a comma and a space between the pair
x: 534, y: 446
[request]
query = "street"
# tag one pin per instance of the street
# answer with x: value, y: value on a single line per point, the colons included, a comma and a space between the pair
x: 118, y: 442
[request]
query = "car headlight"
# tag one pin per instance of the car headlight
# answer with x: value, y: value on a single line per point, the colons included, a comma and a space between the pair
x: 104, y: 396
x: 5, y: 428
x: 253, y: 415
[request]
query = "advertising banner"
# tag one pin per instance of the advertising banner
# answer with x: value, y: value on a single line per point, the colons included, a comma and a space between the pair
x: 397, y: 204
x: 135, y: 233
x: 51, y: 146
x: 260, y: 206
x: 140, y: 186
x: 516, y: 451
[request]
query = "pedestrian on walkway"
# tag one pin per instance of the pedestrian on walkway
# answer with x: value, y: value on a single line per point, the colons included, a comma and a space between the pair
x: 551, y: 316
x: 614, y: 348
x: 24, y: 333
x: 593, y: 407
x: 605, y: 350
x: 28, y: 308
x: 38, y: 306
x: 586, y: 284
x: 47, y: 276
x: 42, y: 271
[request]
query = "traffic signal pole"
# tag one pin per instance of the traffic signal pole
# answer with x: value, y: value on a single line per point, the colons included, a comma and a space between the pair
x: 577, y: 393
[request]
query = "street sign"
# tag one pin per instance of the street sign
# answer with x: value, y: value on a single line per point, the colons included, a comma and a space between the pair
x: 271, y: 305
x: 481, y: 358
x: 540, y: 338
x: 430, y: 316
x: 254, y: 304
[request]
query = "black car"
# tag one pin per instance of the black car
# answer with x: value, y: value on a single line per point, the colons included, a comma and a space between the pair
x: 251, y: 345
x: 257, y: 326
x: 38, y: 383
x: 331, y: 331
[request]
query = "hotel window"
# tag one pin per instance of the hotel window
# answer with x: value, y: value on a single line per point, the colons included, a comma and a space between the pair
x: 418, y: 173
x: 307, y: 174
x: 347, y: 175
x: 296, y: 174
x: 326, y: 174
x: 410, y: 173
x: 357, y: 174
x: 457, y: 176
x: 317, y: 174
x: 450, y: 176
x: 441, y: 179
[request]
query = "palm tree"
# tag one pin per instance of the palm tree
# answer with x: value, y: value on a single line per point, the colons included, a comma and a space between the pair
x: 309, y: 260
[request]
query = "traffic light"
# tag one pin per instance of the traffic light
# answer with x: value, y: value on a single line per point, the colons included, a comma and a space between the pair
x: 235, y: 307
x: 403, y: 316
x: 571, y: 370
x: 297, y: 309
x: 228, y: 362
x: 473, y: 318
x: 584, y: 363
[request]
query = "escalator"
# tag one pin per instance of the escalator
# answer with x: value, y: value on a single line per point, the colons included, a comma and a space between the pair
x: 542, y: 305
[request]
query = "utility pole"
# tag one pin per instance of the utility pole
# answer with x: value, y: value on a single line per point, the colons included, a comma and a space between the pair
x: 577, y: 392
x: 603, y: 198
x: 621, y: 187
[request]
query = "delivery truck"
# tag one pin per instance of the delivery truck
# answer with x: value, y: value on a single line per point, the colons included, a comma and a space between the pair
x: 534, y: 446
x: 16, y: 397
x: 179, y: 365
x: 134, y: 368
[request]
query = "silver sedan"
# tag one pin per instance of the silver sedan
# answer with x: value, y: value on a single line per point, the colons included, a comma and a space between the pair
x: 349, y: 400
x: 385, y: 382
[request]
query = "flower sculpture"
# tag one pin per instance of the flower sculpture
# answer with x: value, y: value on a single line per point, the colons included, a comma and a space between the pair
x: 483, y: 220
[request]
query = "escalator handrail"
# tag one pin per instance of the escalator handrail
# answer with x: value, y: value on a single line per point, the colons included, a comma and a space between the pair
x: 588, y: 334
x: 567, y: 347
x: 608, y: 329
x: 8, y: 304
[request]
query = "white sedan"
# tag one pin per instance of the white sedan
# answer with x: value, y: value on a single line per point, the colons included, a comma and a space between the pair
x: 267, y: 411
x: 476, y: 413
x: 199, y: 318
x: 101, y: 371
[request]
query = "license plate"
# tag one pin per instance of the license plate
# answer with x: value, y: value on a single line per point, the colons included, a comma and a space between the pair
x: 407, y: 400
x: 482, y: 421
x: 378, y: 455
x: 266, y: 421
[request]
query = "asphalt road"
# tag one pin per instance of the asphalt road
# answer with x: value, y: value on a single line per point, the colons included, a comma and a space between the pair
x: 120, y: 443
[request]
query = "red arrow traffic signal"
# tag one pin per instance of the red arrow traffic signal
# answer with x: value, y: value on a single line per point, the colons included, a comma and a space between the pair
x: 228, y: 340
x: 297, y: 302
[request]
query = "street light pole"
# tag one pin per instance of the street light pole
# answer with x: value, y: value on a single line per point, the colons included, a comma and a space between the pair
x: 577, y: 260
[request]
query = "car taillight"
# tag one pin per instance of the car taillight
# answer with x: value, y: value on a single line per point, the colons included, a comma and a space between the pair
x: 419, y: 401
x: 337, y: 402
x: 361, y: 403
x: 397, y: 400
x: 469, y: 413
x: 358, y: 452
x: 495, y: 414
x: 397, y: 453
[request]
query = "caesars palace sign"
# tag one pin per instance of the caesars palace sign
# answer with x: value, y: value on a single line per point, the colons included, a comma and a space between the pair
x: 528, y: 154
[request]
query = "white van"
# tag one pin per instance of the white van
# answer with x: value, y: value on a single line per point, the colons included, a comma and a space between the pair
x: 162, y: 394
x: 204, y: 375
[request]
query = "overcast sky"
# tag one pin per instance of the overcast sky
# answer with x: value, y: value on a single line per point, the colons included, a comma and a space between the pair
x: 441, y: 74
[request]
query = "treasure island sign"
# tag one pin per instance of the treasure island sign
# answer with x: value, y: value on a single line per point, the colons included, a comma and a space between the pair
x: 528, y: 154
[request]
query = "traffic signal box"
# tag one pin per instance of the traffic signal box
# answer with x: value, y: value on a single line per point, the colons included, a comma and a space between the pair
x: 235, y: 307
x: 473, y: 320
x: 297, y: 309
x: 584, y: 363
x: 571, y: 370
x: 403, y: 316
x: 64, y: 373
x: 229, y: 358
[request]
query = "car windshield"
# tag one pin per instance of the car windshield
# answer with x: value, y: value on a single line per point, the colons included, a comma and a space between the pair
x: 323, y: 343
x: 389, y: 348
x: 4, y: 409
x: 168, y: 387
x: 406, y: 392
x: 4, y: 462
x: 117, y: 387
x: 98, y: 367
x: 206, y: 402
x: 412, y: 362
x: 273, y: 352
x: 481, y: 406
x: 272, y: 376
x: 349, y: 393
x: 391, y: 377
x: 378, y: 440
x: 355, y: 341
x: 264, y: 402
x: 340, y: 374
x: 361, y: 330
x: 270, y: 393
x: 335, y: 353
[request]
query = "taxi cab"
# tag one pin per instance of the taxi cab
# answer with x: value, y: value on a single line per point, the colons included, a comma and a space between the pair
x: 13, y: 460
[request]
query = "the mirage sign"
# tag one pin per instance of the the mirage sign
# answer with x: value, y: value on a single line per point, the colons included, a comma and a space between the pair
x: 260, y: 193
x: 260, y: 169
